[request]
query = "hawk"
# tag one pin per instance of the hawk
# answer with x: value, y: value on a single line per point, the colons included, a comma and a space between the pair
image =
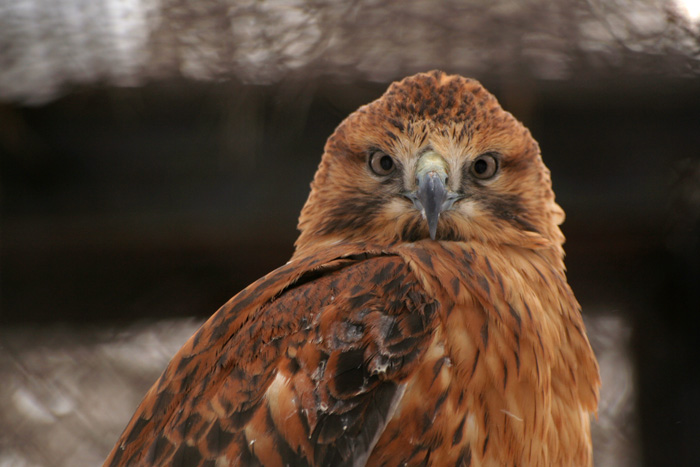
x: 424, y: 318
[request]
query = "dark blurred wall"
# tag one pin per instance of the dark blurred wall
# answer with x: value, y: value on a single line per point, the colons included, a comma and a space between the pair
x: 120, y: 204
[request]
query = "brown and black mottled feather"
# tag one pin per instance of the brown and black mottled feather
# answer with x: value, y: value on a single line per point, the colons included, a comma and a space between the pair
x: 304, y: 367
x: 377, y: 345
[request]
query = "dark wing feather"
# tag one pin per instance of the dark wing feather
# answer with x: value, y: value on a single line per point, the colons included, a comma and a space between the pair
x: 304, y: 367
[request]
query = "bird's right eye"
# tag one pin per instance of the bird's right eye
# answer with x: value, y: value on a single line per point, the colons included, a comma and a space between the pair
x: 381, y: 163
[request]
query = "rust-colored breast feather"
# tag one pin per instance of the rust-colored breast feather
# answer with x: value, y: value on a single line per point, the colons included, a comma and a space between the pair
x: 379, y: 358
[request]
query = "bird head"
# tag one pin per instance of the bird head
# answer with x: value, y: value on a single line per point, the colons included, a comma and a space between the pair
x: 437, y: 159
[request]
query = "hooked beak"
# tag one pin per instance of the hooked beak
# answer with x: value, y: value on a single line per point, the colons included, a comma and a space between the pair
x: 431, y: 196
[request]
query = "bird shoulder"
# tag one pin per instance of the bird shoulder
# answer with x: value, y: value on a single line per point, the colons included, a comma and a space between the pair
x: 305, y: 365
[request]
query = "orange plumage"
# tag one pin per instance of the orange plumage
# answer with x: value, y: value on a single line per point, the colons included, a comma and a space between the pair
x: 424, y: 318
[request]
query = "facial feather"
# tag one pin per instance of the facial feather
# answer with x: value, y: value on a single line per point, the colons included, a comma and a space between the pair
x: 459, y: 120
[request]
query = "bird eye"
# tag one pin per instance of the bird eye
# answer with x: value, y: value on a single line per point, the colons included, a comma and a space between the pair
x: 381, y: 163
x: 484, y: 166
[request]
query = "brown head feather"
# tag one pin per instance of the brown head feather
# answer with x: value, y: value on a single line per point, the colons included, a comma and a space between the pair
x: 460, y: 120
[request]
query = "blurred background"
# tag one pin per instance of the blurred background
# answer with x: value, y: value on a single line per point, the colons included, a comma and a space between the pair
x: 155, y: 154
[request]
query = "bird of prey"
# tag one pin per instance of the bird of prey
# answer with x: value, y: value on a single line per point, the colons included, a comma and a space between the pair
x: 424, y: 318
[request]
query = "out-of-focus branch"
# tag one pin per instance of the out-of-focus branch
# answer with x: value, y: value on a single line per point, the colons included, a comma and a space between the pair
x: 48, y: 45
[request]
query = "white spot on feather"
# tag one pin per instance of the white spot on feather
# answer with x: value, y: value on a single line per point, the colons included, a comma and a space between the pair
x: 471, y: 429
x: 511, y: 414
x: 276, y: 385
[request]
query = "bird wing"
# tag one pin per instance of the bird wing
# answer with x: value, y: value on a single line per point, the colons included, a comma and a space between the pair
x: 303, y: 367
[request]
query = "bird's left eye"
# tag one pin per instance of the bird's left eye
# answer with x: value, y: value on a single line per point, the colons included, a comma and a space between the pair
x: 484, y: 166
x: 381, y: 163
